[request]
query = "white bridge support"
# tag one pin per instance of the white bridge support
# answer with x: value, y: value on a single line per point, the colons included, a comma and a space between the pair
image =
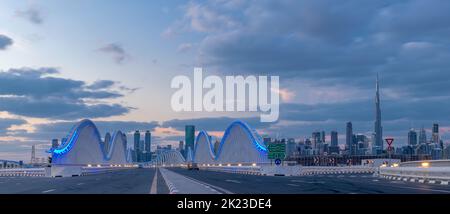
x: 169, y: 158
x: 84, y: 148
x: 239, y: 145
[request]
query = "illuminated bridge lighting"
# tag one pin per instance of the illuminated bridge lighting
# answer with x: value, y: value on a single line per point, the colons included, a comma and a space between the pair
x: 85, y: 147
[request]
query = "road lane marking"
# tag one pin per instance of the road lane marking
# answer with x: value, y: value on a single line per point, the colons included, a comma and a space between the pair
x: 153, y: 188
x: 233, y: 181
x: 47, y: 191
x: 308, y: 182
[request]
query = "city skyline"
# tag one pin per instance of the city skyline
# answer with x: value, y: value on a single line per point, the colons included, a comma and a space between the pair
x: 119, y: 75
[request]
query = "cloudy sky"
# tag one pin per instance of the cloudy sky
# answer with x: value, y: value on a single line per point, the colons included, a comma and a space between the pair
x: 112, y: 61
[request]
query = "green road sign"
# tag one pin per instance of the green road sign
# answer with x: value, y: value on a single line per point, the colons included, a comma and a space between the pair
x: 277, y: 151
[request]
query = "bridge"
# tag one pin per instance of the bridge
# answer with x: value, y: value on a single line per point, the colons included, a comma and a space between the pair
x: 240, y: 165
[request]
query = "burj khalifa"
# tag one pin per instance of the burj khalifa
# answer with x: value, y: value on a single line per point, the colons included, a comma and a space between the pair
x: 378, y: 127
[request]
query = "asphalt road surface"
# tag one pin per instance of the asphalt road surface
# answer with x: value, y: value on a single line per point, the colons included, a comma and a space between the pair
x: 141, y: 181
x: 133, y: 181
x: 317, y: 184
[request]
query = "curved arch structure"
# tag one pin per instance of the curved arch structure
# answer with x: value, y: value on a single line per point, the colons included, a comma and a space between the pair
x: 84, y: 146
x: 169, y: 157
x: 240, y: 144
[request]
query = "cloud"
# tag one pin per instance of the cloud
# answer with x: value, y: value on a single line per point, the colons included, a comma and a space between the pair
x: 101, y: 84
x: 5, y: 42
x: 333, y: 52
x: 31, y: 14
x: 6, y: 123
x: 185, y: 47
x: 36, y: 93
x: 116, y: 51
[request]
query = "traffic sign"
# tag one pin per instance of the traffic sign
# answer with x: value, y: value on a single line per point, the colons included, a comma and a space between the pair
x: 276, y: 151
x: 277, y: 162
x: 389, y: 141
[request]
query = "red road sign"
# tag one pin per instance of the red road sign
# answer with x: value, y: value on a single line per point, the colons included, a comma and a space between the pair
x: 389, y: 141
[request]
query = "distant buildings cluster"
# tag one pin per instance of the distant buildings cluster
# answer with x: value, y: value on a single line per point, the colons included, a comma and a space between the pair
x: 141, y: 151
x: 360, y: 144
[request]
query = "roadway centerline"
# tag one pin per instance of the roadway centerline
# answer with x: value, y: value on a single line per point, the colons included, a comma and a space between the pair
x: 47, y: 191
x: 233, y: 181
x: 154, y: 187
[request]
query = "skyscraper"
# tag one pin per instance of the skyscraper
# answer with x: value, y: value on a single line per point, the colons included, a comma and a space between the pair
x: 181, y: 146
x: 148, y: 145
x: 334, y: 138
x: 412, y: 137
x: 33, y: 154
x: 422, y: 136
x: 349, y: 137
x: 435, y: 134
x: 378, y: 128
x: 189, y: 137
x: 137, y: 139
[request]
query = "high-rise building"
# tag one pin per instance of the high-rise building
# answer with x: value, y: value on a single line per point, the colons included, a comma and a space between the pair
x: 33, y: 154
x: 334, y: 145
x: 137, y: 149
x: 412, y: 137
x: 55, y: 143
x: 181, y: 147
x: 316, y: 139
x: 189, y: 131
x: 291, y: 147
x: 422, y: 136
x: 378, y: 128
x: 349, y: 138
x: 334, y: 138
x: 435, y: 134
x: 148, y: 142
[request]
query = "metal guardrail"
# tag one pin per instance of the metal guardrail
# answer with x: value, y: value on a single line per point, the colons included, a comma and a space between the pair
x: 42, y: 172
x: 27, y: 172
x: 298, y: 171
x: 427, y: 173
x: 314, y: 170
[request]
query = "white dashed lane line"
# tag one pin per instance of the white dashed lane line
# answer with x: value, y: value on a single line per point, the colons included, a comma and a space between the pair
x: 233, y: 181
x: 47, y: 191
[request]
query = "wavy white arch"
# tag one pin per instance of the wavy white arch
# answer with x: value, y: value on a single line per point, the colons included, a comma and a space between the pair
x: 84, y: 146
x: 240, y: 144
x: 169, y: 157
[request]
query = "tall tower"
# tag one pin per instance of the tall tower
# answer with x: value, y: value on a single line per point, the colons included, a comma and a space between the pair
x: 435, y: 134
x: 148, y: 145
x: 349, y: 137
x: 137, y: 139
x: 422, y: 136
x: 33, y: 154
x: 189, y: 137
x: 378, y: 127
